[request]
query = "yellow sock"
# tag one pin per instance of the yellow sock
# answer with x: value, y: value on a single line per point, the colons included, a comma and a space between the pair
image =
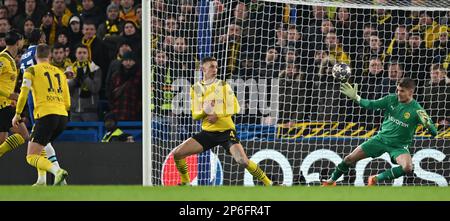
x: 41, y: 163
x: 11, y: 143
x: 42, y: 174
x: 183, y: 170
x: 256, y: 171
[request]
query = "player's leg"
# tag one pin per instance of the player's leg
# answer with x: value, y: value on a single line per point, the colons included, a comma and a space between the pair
x: 44, y: 131
x: 188, y: 147
x: 51, y: 155
x: 19, y: 133
x: 238, y: 153
x: 402, y: 158
x: 42, y: 174
x: 344, y: 166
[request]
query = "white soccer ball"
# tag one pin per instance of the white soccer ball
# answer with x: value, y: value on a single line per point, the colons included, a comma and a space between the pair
x: 341, y: 71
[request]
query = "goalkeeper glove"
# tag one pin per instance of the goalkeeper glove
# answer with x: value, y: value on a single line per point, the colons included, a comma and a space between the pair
x: 349, y: 91
x: 426, y: 122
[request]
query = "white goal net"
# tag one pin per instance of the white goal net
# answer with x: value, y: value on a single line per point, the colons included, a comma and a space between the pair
x: 277, y: 56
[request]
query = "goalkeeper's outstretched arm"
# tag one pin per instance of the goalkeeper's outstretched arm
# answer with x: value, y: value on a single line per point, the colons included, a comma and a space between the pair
x: 352, y: 93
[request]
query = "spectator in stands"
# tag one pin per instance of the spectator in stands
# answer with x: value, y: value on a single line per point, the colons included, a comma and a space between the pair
x: 61, y: 12
x: 74, y: 33
x: 395, y: 73
x: 49, y: 27
x: 436, y: 95
x: 441, y: 46
x: 418, y: 58
x: 91, y: 12
x: 187, y: 19
x: 281, y: 38
x: 315, y: 63
x: 183, y: 59
x: 95, y: 46
x: 346, y: 27
x: 126, y: 92
x: 133, y: 36
x: 364, y: 40
x: 290, y: 56
x: 3, y: 12
x: 62, y: 37
x: 293, y: 39
x: 270, y: 67
x: 232, y: 39
x: 327, y: 27
x: 384, y: 20
x: 399, y: 44
x: 2, y: 41
x: 28, y: 27
x: 313, y: 26
x: 115, y: 65
x: 31, y: 12
x: 59, y: 58
x: 84, y: 89
x: 13, y: 8
x: 291, y: 96
x: 114, y: 133
x: 139, y: 16
x: 370, y: 82
x: 4, y: 25
x: 128, y: 12
x: 112, y: 25
x: 375, y: 49
x: 428, y: 28
x: 335, y: 49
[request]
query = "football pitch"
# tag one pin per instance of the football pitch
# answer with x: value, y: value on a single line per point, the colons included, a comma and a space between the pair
x: 223, y: 193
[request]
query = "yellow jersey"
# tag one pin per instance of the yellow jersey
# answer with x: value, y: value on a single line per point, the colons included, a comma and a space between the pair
x: 226, y: 104
x: 50, y: 89
x: 8, y: 77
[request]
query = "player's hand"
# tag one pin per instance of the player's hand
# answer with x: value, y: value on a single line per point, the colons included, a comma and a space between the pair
x: 16, y: 120
x: 14, y: 96
x: 13, y: 103
x: 212, y: 118
x: 424, y: 118
x: 208, y: 107
x: 426, y: 122
x: 349, y: 91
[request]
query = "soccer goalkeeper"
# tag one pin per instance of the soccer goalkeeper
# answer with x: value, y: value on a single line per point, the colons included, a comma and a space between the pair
x: 402, y: 114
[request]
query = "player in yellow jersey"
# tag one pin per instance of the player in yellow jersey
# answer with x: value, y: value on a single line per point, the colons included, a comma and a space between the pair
x: 213, y: 101
x: 8, y: 76
x: 52, y: 101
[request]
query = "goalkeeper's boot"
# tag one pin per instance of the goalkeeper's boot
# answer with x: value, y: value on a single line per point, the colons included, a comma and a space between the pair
x: 372, y: 181
x: 60, y: 176
x: 329, y: 182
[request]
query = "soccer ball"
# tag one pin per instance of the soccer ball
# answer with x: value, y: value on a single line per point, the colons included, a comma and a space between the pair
x: 341, y: 71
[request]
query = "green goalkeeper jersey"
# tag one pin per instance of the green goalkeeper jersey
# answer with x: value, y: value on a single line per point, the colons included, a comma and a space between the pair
x: 400, y: 119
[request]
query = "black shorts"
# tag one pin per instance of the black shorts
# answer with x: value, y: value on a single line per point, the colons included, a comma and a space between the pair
x: 6, y: 115
x: 48, y: 128
x: 209, y: 140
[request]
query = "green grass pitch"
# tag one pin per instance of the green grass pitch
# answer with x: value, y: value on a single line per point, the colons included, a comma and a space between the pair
x: 223, y: 193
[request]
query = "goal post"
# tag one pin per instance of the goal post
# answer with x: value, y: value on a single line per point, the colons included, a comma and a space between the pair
x: 277, y: 56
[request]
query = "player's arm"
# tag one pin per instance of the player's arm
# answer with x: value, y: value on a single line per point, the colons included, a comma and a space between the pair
x: 66, y: 93
x: 22, y: 100
x: 230, y: 101
x: 426, y: 121
x: 3, y: 93
x: 196, y: 105
x: 352, y: 92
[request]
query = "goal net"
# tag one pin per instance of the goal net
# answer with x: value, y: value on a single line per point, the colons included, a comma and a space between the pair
x: 277, y: 56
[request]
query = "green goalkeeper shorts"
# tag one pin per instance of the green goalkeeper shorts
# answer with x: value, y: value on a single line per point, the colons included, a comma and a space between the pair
x: 375, y: 147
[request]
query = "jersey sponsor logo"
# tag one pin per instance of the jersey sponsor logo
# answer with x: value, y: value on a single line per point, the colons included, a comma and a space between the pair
x: 406, y: 115
x: 171, y: 177
x: 398, y: 122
